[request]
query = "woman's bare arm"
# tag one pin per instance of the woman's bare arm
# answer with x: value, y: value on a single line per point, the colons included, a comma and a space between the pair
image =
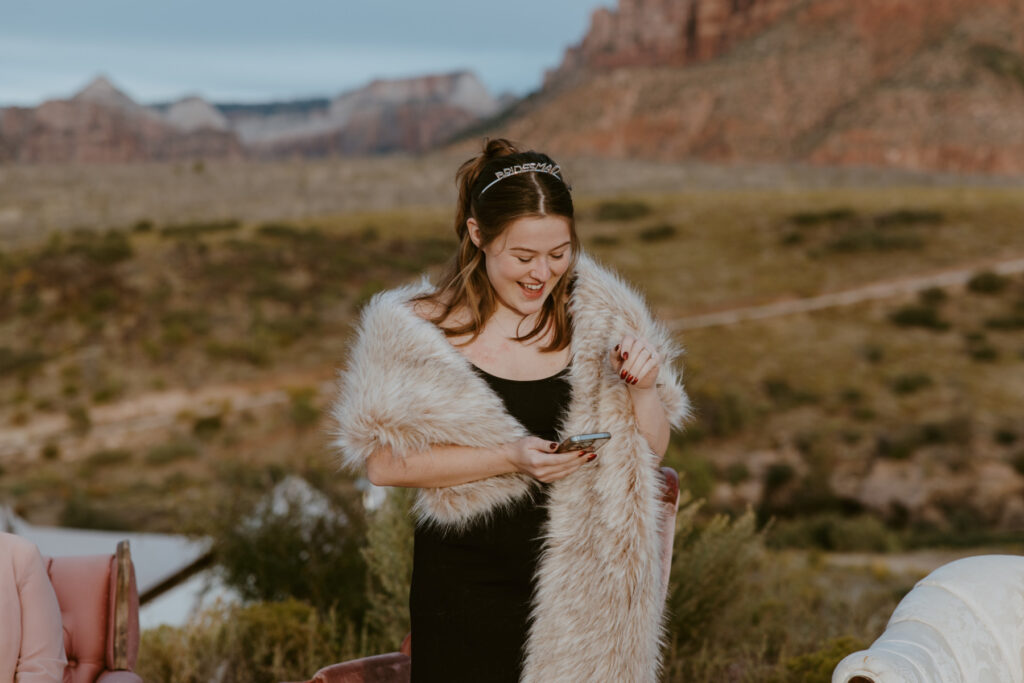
x: 452, y: 465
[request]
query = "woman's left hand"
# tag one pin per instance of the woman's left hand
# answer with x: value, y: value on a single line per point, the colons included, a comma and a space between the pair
x: 635, y: 362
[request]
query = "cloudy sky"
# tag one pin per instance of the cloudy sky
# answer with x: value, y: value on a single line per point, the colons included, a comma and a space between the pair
x: 260, y: 50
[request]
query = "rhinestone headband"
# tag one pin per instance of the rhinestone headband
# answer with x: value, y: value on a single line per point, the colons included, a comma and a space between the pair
x: 530, y: 167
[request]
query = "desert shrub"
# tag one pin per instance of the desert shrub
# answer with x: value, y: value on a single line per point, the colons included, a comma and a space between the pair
x: 776, y: 476
x: 388, y: 556
x: 657, y: 232
x: 811, y: 218
x: 142, y: 225
x: 902, y: 217
x: 873, y: 353
x: 1005, y: 436
x: 987, y: 282
x: 1018, y: 462
x: 910, y: 383
x: 622, y: 210
x: 833, y: 532
x: 999, y: 60
x: 252, y: 352
x: 171, y: 452
x: 816, y: 667
x: 717, y: 413
x: 80, y: 512
x: 901, y: 444
x: 22, y: 363
x: 180, y: 326
x: 605, y: 240
x: 932, y: 296
x: 81, y: 423
x: 302, y: 406
x: 298, y: 542
x: 783, y: 395
x: 1014, y: 321
x: 708, y: 567
x: 206, y: 426
x: 51, y: 451
x: 736, y: 473
x: 918, y: 316
x: 199, y: 228
x: 106, y: 458
x: 258, y: 643
x: 982, y: 351
x: 872, y: 240
x: 103, y: 249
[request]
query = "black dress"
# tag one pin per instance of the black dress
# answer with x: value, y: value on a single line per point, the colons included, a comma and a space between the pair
x: 470, y: 595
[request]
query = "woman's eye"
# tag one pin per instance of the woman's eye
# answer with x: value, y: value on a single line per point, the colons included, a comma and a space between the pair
x: 523, y: 260
x: 557, y: 256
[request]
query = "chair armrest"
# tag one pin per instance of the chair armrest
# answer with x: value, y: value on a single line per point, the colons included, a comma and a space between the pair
x: 393, y: 667
x: 118, y: 677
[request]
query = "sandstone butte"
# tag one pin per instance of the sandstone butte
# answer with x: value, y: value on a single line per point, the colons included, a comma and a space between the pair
x: 936, y: 85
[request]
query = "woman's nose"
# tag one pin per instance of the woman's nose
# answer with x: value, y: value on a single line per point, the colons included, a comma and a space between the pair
x: 542, y: 271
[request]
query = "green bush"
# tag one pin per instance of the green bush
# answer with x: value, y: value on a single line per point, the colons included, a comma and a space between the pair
x: 388, y: 555
x: 932, y: 296
x: 23, y: 363
x: 622, y: 210
x: 817, y: 667
x: 1012, y: 322
x: 833, y: 532
x: 171, y: 452
x: 657, y: 233
x: 812, y: 218
x: 918, y: 316
x: 910, y: 383
x: 258, y: 643
x: 300, y: 543
x: 80, y: 512
x: 718, y: 414
x: 199, y: 228
x: 987, y: 282
x: 302, y: 407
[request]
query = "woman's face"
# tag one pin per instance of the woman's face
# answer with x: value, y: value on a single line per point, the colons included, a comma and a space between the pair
x: 526, y: 261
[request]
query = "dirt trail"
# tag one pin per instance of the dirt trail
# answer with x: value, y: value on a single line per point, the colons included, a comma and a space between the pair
x: 146, y: 418
x: 878, y: 290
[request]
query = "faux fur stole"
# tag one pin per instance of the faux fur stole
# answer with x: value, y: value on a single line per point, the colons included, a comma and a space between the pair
x: 597, y: 609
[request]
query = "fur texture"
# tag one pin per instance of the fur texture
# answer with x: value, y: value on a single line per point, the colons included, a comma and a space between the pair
x: 597, y: 611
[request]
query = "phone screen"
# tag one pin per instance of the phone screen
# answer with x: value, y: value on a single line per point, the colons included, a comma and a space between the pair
x: 584, y: 442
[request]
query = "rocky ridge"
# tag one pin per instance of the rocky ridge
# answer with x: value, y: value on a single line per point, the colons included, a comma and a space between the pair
x: 922, y: 86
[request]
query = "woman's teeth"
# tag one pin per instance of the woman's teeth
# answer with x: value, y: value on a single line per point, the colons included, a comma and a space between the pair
x: 532, y: 288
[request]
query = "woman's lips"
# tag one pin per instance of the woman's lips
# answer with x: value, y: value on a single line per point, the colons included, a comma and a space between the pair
x: 531, y: 293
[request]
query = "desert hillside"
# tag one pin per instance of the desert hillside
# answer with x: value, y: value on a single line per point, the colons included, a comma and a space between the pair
x: 936, y: 85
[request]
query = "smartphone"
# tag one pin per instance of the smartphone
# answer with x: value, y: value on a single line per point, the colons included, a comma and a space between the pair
x: 584, y: 442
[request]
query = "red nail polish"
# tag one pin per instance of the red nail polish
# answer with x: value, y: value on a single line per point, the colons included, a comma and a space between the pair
x: 632, y: 379
x: 623, y: 374
x: 591, y: 457
x: 580, y: 454
x: 635, y: 380
x: 553, y: 446
x: 625, y: 355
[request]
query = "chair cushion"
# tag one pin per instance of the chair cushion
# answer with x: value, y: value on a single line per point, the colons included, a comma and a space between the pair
x: 82, y: 585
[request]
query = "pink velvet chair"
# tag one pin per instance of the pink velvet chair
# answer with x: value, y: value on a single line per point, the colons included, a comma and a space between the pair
x: 395, y: 667
x: 99, y: 606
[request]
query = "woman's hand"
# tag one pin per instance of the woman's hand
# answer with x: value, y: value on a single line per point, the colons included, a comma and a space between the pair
x: 636, y: 362
x: 536, y: 457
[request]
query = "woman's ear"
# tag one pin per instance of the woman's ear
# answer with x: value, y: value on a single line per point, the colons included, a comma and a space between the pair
x: 474, y: 232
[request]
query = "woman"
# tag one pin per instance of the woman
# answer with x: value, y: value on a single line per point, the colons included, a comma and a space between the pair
x: 31, y: 634
x: 529, y: 564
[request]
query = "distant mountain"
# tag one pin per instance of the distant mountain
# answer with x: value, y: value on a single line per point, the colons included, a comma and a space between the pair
x: 412, y: 114
x: 936, y: 85
x: 102, y: 123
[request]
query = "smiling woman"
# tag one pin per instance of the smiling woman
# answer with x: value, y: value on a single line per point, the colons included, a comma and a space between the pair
x: 529, y: 564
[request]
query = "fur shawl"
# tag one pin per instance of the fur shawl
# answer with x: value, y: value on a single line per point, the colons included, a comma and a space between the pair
x: 597, y: 611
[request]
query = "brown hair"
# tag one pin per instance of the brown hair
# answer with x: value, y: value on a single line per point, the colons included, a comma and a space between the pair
x: 464, y: 283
